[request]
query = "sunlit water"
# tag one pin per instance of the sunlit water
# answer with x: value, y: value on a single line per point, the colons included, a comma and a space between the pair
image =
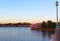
x: 23, y: 34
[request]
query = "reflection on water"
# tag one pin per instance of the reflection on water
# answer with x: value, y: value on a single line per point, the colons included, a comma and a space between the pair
x: 23, y: 34
x: 47, y: 34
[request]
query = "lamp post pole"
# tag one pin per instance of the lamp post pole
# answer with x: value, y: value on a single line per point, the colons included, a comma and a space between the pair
x: 57, y: 31
x: 57, y: 13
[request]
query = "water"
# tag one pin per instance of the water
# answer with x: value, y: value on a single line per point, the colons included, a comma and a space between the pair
x: 23, y: 34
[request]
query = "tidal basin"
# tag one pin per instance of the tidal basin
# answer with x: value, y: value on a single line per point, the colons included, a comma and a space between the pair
x: 23, y: 34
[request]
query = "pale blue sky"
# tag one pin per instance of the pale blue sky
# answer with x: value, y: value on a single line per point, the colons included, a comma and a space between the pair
x: 27, y: 10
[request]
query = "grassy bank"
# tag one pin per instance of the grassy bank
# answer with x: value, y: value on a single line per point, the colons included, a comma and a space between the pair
x: 44, y: 29
x: 47, y: 29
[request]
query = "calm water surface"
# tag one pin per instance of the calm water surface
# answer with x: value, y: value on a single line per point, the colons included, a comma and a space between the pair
x: 23, y: 34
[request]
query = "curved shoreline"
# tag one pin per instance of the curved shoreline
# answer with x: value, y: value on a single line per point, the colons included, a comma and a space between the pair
x: 47, y: 29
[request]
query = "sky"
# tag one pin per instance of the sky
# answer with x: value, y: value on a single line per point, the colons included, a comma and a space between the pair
x: 33, y: 11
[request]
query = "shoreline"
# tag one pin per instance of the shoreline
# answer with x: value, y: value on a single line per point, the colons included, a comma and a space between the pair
x: 47, y: 29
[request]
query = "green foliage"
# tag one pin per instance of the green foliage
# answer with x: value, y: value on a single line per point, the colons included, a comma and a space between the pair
x: 49, y: 24
x: 43, y: 24
x: 54, y: 25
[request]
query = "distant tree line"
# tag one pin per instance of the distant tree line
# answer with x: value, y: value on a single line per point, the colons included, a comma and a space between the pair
x: 25, y: 24
x: 48, y: 24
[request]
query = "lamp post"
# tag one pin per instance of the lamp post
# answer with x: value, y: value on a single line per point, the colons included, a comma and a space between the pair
x: 56, y: 36
x: 57, y: 13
